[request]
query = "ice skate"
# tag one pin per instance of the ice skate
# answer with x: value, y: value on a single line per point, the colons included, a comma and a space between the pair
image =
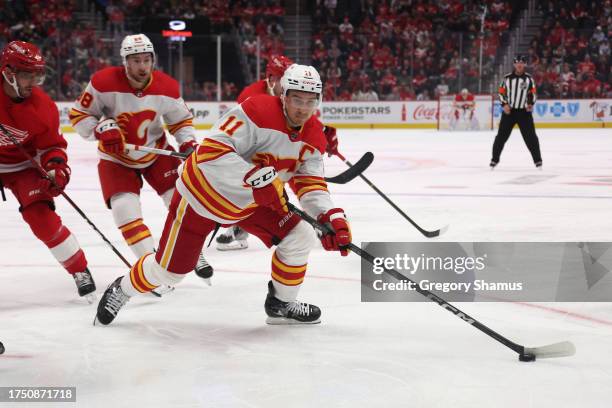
x: 85, y: 285
x: 110, y: 304
x: 235, y: 238
x: 204, y: 270
x: 295, y: 312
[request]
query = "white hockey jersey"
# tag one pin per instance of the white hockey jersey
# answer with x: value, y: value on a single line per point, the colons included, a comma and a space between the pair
x: 138, y: 113
x: 254, y: 133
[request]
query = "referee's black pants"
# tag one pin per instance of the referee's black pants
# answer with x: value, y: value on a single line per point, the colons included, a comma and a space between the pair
x: 524, y: 120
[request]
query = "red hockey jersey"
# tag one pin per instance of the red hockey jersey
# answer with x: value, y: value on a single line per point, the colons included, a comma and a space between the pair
x: 35, y: 124
x: 256, y: 88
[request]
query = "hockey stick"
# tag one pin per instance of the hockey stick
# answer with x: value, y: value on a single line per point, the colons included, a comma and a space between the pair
x: 161, y: 152
x: 428, y: 234
x: 44, y: 173
x: 342, y: 178
x: 353, y: 171
x: 561, y: 349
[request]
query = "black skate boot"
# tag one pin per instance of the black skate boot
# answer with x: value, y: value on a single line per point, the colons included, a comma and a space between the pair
x: 295, y: 312
x: 233, y: 239
x: 204, y: 270
x: 85, y: 285
x: 493, y: 164
x: 112, y: 300
x: 538, y: 165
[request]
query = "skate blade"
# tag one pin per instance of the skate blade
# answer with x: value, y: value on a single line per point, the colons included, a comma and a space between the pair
x: 233, y: 246
x: 207, y: 281
x: 283, y: 321
x: 162, y: 290
x: 90, y: 297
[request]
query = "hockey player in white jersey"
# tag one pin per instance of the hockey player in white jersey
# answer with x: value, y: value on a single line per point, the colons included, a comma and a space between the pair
x: 237, y: 176
x: 126, y: 104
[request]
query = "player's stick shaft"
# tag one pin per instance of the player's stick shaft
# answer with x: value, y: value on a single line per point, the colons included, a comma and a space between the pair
x: 428, y: 234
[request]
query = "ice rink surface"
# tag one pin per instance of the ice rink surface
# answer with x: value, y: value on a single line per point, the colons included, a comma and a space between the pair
x: 210, y: 347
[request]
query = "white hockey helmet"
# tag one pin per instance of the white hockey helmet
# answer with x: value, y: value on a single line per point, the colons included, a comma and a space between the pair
x: 136, y: 44
x: 464, y: 91
x: 301, y: 78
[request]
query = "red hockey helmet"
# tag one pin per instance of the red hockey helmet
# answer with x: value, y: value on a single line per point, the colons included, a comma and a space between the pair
x: 22, y: 56
x: 277, y: 64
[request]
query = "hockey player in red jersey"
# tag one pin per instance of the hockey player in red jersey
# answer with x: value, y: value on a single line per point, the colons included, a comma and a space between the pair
x: 237, y: 176
x: 32, y: 119
x: 126, y: 105
x: 463, y: 110
x: 275, y: 68
x: 236, y: 238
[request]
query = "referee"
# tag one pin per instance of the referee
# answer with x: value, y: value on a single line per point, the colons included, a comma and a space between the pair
x: 517, y: 94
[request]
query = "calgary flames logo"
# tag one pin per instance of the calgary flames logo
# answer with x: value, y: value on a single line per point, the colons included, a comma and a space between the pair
x: 287, y: 164
x: 279, y: 163
x: 135, y: 125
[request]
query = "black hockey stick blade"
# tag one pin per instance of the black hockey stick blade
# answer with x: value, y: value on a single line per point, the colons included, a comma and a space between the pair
x: 433, y: 234
x: 353, y: 171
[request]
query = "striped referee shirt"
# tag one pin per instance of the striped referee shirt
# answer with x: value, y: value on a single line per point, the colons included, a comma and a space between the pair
x: 517, y: 91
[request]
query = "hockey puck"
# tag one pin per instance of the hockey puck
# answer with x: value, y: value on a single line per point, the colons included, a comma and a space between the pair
x: 1, y: 348
x: 527, y: 357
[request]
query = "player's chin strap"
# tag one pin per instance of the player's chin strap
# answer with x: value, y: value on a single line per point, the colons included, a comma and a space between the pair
x: 12, y: 83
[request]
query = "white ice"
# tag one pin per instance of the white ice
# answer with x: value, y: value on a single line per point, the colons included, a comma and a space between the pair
x: 209, y: 346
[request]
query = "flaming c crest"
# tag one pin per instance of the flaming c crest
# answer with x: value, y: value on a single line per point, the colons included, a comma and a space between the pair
x: 135, y: 125
x: 288, y: 164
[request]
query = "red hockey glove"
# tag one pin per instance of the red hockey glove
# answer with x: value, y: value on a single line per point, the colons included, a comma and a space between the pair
x: 268, y: 189
x: 188, y: 147
x: 59, y: 171
x: 109, y: 134
x: 332, y: 140
x: 335, y: 219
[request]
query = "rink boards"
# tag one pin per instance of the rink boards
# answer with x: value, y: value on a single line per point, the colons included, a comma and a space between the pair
x: 550, y: 113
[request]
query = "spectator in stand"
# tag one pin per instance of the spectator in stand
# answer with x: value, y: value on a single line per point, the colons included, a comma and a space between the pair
x: 394, y: 95
x: 345, y: 95
x: 346, y: 29
x: 567, y: 76
x: 388, y: 82
x: 441, y: 89
x: 591, y: 87
x: 586, y: 66
x: 365, y: 93
x: 406, y: 93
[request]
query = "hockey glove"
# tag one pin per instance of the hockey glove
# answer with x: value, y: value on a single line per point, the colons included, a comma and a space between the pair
x: 268, y: 189
x: 188, y: 147
x: 109, y: 135
x: 335, y: 219
x: 59, y: 171
x: 332, y: 140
